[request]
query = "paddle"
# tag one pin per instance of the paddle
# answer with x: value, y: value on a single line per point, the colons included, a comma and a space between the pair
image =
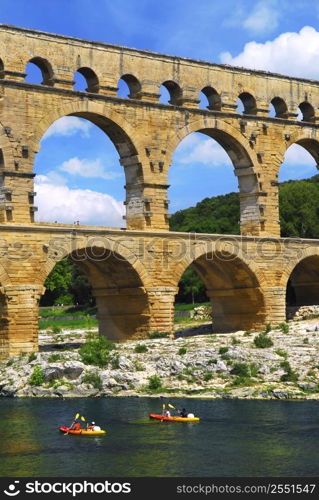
x: 171, y: 406
x: 163, y: 410
x: 75, y: 418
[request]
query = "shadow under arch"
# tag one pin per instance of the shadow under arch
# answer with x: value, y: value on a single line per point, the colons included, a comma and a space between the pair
x: 303, y: 282
x: 233, y: 289
x: 245, y: 164
x: 117, y: 284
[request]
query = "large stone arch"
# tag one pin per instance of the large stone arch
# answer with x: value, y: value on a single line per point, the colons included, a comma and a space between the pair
x: 59, y: 248
x: 244, y: 159
x: 305, y: 137
x: 311, y: 251
x: 301, y: 281
x: 126, y: 140
x: 239, y: 141
x: 233, y: 285
x: 118, y: 281
x: 101, y: 115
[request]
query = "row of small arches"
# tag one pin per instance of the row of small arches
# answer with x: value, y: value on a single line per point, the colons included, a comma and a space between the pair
x: 40, y: 71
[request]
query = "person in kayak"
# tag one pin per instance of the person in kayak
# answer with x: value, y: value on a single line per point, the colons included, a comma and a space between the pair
x: 183, y: 413
x: 167, y: 413
x: 93, y: 427
x: 76, y: 425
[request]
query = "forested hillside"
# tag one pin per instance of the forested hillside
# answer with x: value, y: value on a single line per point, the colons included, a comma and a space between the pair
x: 299, y: 212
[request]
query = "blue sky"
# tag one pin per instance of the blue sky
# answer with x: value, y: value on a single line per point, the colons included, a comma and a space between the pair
x: 79, y: 164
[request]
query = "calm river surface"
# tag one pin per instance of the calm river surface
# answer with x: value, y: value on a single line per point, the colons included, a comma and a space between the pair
x: 234, y: 438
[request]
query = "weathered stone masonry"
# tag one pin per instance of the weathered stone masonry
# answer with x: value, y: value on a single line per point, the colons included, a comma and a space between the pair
x: 135, y: 272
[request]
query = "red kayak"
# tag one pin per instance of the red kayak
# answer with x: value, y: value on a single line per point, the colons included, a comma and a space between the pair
x: 155, y: 416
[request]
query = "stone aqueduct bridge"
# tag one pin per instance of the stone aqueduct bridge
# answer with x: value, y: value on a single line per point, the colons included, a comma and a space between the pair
x: 135, y: 272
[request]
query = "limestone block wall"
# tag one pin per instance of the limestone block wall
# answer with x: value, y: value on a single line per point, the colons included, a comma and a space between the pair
x: 135, y: 277
x: 135, y: 273
x: 144, y: 131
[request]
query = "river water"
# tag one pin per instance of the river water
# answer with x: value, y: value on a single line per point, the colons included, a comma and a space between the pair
x: 234, y: 438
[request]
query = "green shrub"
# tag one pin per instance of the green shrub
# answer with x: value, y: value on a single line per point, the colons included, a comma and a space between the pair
x: 267, y: 328
x: 247, y: 333
x: 10, y: 362
x: 139, y: 367
x: 245, y: 370
x: 115, y: 362
x: 281, y: 353
x: 37, y: 377
x: 223, y: 350
x: 140, y: 348
x: 212, y: 361
x: 289, y: 375
x: 262, y: 341
x: 305, y: 340
x: 207, y: 376
x: 91, y: 335
x: 285, y: 365
x: 235, y: 341
x: 96, y: 352
x: 241, y: 370
x: 225, y: 357
x: 54, y: 357
x: 154, y: 383
x: 157, y: 335
x: 188, y: 371
x: 56, y: 329
x: 245, y: 381
x: 254, y: 369
x: 32, y: 357
x: 94, y: 379
x: 283, y: 327
x: 182, y: 350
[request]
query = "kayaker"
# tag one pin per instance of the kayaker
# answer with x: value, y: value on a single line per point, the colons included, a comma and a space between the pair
x: 167, y: 413
x: 76, y: 425
x: 183, y: 413
x: 93, y: 427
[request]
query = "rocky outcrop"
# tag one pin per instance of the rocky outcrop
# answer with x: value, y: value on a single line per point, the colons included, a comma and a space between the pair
x: 298, y: 313
x: 211, y: 365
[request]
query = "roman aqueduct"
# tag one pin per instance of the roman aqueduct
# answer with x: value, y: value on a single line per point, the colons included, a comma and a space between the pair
x: 135, y: 271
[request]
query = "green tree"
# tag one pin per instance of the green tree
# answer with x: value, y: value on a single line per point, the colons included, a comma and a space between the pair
x: 191, y: 288
x: 68, y: 285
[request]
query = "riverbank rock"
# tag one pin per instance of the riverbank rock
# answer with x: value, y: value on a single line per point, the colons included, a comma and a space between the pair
x: 208, y: 366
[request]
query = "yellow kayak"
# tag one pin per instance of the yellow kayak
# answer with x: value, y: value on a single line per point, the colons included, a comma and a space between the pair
x: 81, y: 432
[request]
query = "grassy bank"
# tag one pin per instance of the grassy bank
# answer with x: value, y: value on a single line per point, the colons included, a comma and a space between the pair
x: 68, y: 323
x: 57, y: 316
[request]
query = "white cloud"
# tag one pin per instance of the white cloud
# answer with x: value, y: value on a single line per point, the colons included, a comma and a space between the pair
x: 297, y: 155
x: 59, y: 203
x: 87, y: 168
x: 196, y: 149
x: 263, y: 19
x: 51, y: 177
x: 69, y: 125
x: 295, y: 54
